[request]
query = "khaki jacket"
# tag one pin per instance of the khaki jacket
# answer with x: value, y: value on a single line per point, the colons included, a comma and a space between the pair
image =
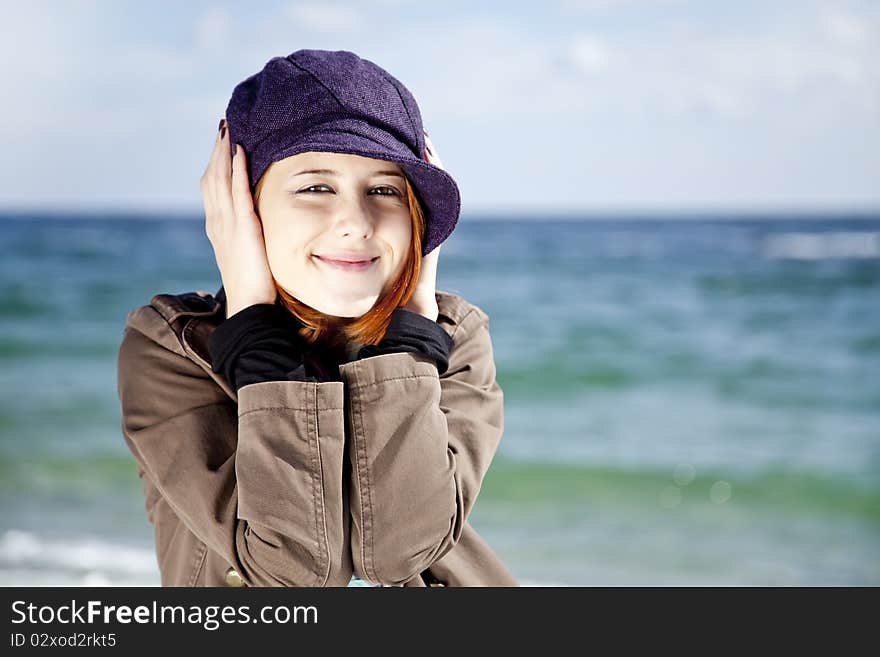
x: 294, y: 483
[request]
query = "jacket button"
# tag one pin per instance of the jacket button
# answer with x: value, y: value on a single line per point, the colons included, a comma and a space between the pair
x: 233, y: 578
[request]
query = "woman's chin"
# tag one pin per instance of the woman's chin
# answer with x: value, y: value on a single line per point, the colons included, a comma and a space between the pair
x: 346, y: 309
x: 349, y: 305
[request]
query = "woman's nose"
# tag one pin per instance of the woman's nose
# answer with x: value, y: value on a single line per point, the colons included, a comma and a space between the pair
x: 354, y: 221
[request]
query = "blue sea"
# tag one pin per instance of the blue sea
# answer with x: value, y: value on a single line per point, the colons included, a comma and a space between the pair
x: 688, y: 401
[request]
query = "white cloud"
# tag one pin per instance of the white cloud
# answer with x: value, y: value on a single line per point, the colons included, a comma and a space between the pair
x: 212, y: 29
x: 846, y: 27
x: 732, y: 74
x: 589, y: 53
x: 324, y: 17
x: 482, y: 67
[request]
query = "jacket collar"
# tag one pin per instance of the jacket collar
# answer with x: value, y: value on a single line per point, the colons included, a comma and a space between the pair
x: 198, y: 326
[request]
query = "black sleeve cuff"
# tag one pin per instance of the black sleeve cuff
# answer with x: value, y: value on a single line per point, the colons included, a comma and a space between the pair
x: 410, y: 331
x: 258, y: 343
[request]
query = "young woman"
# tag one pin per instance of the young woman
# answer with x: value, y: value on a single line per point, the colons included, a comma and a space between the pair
x: 328, y: 416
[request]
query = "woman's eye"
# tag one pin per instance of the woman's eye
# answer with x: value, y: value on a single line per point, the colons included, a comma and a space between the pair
x: 384, y: 190
x: 390, y: 191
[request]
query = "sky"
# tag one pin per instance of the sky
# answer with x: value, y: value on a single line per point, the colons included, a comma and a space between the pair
x: 561, y: 107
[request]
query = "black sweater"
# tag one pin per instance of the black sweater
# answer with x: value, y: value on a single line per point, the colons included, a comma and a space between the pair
x: 260, y: 343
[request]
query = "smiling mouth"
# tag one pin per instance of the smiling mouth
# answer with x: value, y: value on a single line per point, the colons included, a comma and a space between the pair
x: 346, y: 265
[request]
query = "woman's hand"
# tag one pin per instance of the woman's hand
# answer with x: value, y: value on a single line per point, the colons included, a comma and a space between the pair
x: 234, y: 229
x: 423, y: 300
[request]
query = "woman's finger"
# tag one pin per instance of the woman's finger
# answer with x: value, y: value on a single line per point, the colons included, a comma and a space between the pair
x: 224, y: 166
x: 431, y: 153
x: 242, y: 200
x: 223, y: 172
x: 209, y: 182
x: 207, y: 179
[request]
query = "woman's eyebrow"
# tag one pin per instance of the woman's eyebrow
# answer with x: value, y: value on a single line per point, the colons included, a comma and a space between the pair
x: 331, y: 172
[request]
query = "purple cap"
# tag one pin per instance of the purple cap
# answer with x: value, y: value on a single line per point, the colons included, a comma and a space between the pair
x: 335, y: 101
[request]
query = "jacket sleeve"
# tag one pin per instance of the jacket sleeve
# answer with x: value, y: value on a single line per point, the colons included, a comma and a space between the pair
x: 410, y: 331
x: 258, y: 343
x: 253, y: 482
x: 421, y: 444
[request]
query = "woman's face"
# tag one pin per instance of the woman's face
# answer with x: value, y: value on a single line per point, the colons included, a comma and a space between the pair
x: 322, y: 210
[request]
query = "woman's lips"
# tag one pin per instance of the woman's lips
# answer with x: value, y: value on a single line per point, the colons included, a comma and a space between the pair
x: 343, y: 265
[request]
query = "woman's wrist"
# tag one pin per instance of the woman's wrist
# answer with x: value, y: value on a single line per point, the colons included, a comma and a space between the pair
x: 423, y: 308
x: 235, y: 306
